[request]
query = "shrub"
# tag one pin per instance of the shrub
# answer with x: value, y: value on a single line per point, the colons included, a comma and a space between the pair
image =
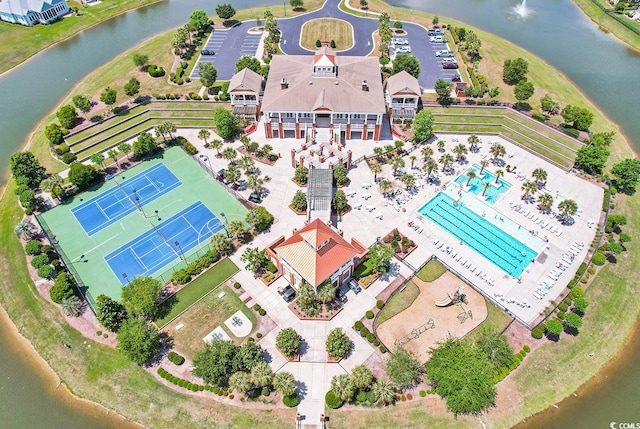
x: 69, y: 157
x: 231, y: 396
x: 259, y: 335
x: 376, y: 342
x: 572, y: 132
x: 371, y: 337
x: 538, y: 116
x: 526, y: 348
x: 155, y: 71
x: 599, y: 258
x: 563, y: 307
x: 175, y: 358
x: 591, y: 270
x: 40, y: 261
x: 332, y: 400
x: 46, y: 272
x: 256, y: 307
x: 364, y: 331
x: 237, y: 285
x: 33, y: 247
x: 181, y: 277
x: 537, y: 333
x: 409, y: 396
x: 383, y: 349
x: 379, y: 304
x: 62, y: 149
x: 423, y: 393
x: 358, y: 326
x: 262, y: 312
x: 271, y: 267
x: 371, y: 396
x: 361, y: 396
x: 369, y: 314
x: 291, y: 400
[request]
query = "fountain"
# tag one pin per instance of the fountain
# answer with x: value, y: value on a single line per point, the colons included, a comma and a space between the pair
x: 521, y: 10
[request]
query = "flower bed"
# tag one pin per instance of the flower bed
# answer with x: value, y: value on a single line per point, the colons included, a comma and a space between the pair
x: 401, y: 245
x: 327, y: 312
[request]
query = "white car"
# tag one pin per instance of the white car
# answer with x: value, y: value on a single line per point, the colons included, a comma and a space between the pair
x: 403, y: 50
x: 400, y: 42
x: 444, y: 53
x: 436, y: 39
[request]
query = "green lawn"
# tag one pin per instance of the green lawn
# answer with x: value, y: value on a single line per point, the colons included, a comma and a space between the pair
x: 398, y: 302
x: 198, y: 288
x: 431, y: 271
x: 204, y: 317
x: 496, y: 319
x: 611, y: 23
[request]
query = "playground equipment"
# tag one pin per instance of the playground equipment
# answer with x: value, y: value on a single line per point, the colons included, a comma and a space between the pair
x: 415, y: 332
x: 466, y: 314
x: 454, y: 298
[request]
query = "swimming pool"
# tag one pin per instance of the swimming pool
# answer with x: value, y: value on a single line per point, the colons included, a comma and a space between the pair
x: 476, y: 185
x: 490, y: 241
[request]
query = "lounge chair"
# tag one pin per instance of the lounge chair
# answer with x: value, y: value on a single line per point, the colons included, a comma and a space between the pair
x: 553, y: 229
x: 550, y: 226
x: 440, y: 245
x: 420, y: 230
x: 454, y: 254
x: 435, y: 241
x: 472, y: 268
x: 538, y: 220
x: 559, y: 232
x: 478, y: 273
x: 468, y: 264
x: 544, y: 223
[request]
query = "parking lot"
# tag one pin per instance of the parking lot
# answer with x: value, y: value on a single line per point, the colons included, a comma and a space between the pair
x: 228, y: 45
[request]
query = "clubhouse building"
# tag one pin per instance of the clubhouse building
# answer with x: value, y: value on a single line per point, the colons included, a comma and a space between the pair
x: 342, y: 94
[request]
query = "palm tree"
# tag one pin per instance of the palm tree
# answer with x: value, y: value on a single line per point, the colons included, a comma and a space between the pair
x: 326, y: 292
x: 342, y: 387
x: 385, y: 186
x: 440, y: 145
x: 446, y: 160
x: 261, y: 374
x: 399, y: 144
x: 232, y: 174
x: 540, y: 174
x: 473, y: 141
x: 408, y: 179
x: 545, y: 201
x: 284, y: 383
x: 413, y: 159
x: 529, y: 188
x: 430, y: 166
x: 497, y: 151
x: 169, y: 128
x: 217, y: 145
x: 378, y: 151
x: 236, y: 228
x: 567, y: 208
x: 471, y: 175
x: 389, y: 149
x: 484, y: 164
x: 427, y: 152
x: 384, y: 390
x: 375, y: 169
x: 246, y: 162
x: 361, y: 377
x: 161, y: 130
x: 240, y: 382
x: 460, y: 151
x: 113, y: 155
x: 254, y: 182
x: 486, y: 186
x: 499, y: 174
x: 204, y: 135
x: 229, y: 154
x: 25, y: 230
x: 72, y: 306
x: 396, y: 162
x: 98, y: 159
x: 266, y: 149
x: 126, y: 148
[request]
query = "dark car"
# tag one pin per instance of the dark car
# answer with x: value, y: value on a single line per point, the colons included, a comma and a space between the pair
x: 220, y: 175
x: 207, y: 52
x: 455, y: 77
x: 287, y: 293
x: 450, y: 65
x: 254, y: 197
x: 340, y: 295
x: 354, y: 286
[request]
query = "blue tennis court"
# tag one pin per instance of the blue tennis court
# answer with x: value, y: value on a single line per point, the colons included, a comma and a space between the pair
x: 164, y: 243
x: 114, y: 204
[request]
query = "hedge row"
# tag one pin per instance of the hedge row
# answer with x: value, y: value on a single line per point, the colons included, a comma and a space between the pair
x: 155, y: 71
x: 183, y: 275
x: 175, y: 358
x: 194, y: 387
x: 571, y: 132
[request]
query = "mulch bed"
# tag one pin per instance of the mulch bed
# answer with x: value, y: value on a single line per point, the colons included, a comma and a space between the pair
x: 325, y: 314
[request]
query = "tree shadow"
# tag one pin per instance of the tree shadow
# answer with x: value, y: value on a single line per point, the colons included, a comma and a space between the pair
x: 166, y: 306
x: 553, y: 337
x: 571, y: 331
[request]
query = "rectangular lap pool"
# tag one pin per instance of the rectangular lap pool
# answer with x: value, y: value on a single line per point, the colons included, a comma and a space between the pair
x: 476, y: 185
x: 509, y: 254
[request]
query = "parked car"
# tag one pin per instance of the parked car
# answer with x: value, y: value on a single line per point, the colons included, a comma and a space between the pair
x: 450, y: 65
x: 400, y: 42
x: 455, y: 77
x: 340, y: 295
x: 403, y: 50
x: 288, y: 293
x: 444, y: 53
x: 220, y: 175
x: 254, y: 197
x: 436, y: 39
x: 354, y: 286
x: 435, y: 32
x: 207, y: 52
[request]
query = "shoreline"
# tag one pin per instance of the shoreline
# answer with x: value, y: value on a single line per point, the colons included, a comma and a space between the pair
x: 53, y: 384
x: 604, y: 28
x: 70, y: 36
x: 612, y: 361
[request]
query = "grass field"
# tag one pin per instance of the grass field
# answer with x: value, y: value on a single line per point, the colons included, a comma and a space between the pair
x: 198, y: 288
x: 609, y: 23
x: 204, y: 317
x: 87, y: 253
x: 325, y: 30
x: 400, y: 301
x: 431, y: 271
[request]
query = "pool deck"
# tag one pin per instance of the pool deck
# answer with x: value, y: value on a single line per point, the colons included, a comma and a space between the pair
x: 366, y: 226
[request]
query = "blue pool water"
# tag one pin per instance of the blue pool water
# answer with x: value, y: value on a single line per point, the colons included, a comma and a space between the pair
x: 476, y: 185
x: 509, y: 254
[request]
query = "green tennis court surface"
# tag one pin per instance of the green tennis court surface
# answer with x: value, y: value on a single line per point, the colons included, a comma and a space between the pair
x: 87, y: 254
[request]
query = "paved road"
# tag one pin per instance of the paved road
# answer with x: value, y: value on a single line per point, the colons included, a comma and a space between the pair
x: 232, y: 43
